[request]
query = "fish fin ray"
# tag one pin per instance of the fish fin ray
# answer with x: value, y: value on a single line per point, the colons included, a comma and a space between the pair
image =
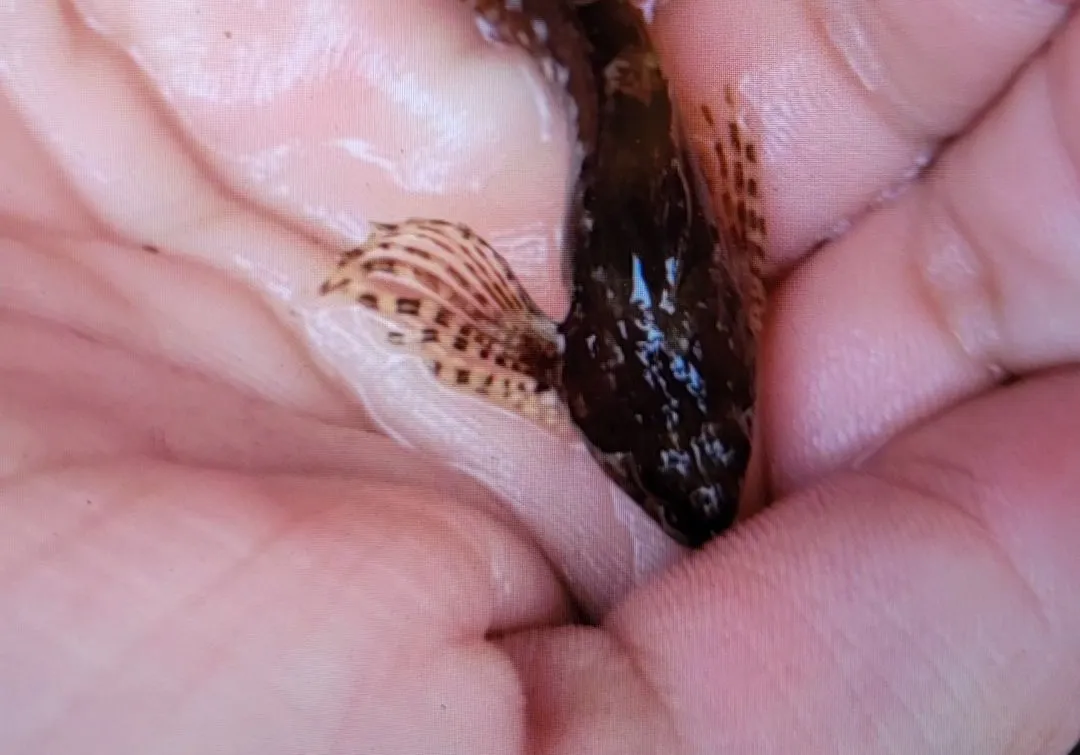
x: 735, y: 175
x: 450, y: 298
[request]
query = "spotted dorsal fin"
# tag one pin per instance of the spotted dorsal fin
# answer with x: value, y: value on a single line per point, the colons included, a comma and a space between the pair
x: 733, y: 172
x: 449, y: 296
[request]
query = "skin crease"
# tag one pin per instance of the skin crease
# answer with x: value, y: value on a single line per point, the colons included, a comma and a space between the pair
x: 207, y: 548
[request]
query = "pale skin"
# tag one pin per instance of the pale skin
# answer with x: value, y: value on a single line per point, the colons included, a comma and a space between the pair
x: 210, y: 545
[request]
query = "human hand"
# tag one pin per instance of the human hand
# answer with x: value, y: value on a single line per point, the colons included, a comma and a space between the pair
x: 210, y: 548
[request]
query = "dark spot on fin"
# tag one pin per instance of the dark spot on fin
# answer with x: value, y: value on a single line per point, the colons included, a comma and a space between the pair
x: 408, y: 306
x: 369, y: 300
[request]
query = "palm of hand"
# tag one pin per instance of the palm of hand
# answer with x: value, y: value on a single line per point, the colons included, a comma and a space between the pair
x: 198, y: 518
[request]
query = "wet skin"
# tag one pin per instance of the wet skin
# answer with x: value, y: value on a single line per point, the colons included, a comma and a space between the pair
x: 655, y: 361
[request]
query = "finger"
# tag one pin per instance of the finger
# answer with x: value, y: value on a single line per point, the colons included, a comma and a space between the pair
x: 925, y: 603
x: 115, y: 210
x: 151, y: 608
x: 203, y: 153
x: 369, y: 111
x: 971, y: 276
x: 847, y: 99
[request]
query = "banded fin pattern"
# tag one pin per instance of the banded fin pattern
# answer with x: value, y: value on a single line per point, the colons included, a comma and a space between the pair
x: 449, y: 296
x: 733, y: 174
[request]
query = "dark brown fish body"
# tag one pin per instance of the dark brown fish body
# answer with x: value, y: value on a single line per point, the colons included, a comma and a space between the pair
x: 658, y: 361
x: 655, y: 360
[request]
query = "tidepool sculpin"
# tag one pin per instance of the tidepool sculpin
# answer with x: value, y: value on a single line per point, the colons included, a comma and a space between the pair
x: 655, y: 361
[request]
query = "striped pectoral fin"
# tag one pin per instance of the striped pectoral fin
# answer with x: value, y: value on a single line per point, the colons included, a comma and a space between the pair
x: 734, y: 174
x: 448, y: 296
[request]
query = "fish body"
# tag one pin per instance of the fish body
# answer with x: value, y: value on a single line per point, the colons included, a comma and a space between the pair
x: 655, y: 361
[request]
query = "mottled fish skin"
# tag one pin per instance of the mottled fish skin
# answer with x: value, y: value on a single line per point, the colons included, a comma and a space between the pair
x: 656, y: 360
x: 549, y: 30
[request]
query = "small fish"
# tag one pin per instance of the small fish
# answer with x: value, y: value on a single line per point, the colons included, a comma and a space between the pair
x: 655, y: 362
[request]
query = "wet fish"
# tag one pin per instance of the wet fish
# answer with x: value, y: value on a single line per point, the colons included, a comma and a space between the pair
x: 655, y: 362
